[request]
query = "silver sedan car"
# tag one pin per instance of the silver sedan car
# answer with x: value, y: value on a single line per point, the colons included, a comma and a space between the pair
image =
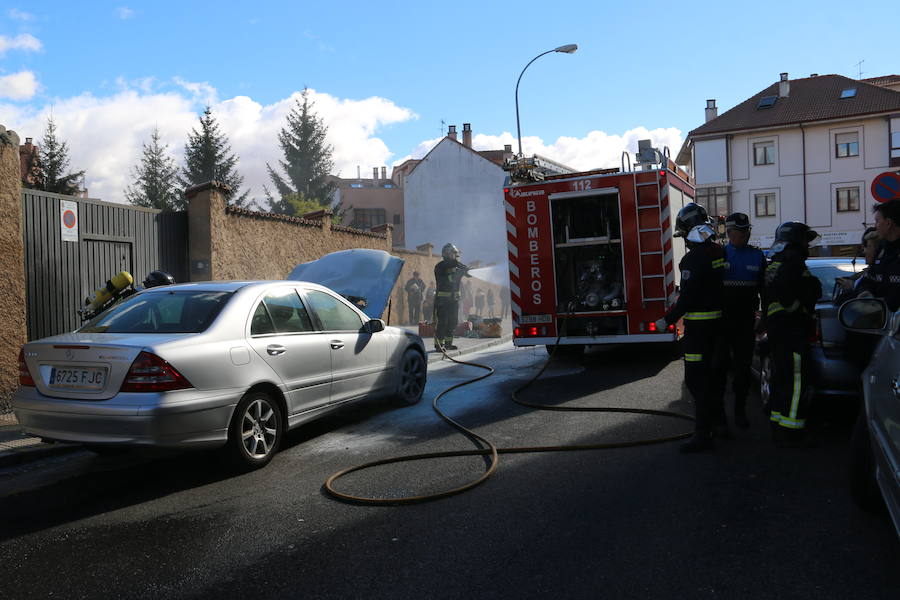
x: 232, y: 364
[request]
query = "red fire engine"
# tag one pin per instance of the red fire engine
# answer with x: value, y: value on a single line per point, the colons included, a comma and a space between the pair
x: 591, y: 254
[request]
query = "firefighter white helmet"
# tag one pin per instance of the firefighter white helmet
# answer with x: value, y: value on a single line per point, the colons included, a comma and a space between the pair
x: 450, y: 252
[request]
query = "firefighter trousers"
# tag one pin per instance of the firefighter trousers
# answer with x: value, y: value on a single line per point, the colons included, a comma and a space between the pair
x: 736, y: 355
x: 790, y: 379
x: 701, y: 340
x: 446, y: 315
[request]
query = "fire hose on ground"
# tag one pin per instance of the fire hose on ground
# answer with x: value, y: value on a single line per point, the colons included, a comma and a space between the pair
x: 491, y: 450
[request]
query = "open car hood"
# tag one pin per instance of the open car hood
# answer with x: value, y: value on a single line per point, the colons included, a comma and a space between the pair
x: 365, y: 277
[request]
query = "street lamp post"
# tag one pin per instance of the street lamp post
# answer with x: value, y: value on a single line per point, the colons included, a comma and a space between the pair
x: 567, y: 49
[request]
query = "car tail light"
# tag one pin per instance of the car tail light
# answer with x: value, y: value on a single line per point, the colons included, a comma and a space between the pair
x: 150, y: 373
x: 25, y: 378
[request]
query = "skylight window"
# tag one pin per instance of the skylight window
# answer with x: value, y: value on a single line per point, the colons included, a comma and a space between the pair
x: 767, y: 102
x: 848, y: 93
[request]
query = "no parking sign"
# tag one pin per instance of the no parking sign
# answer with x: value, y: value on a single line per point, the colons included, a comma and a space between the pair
x: 68, y: 220
x: 886, y: 187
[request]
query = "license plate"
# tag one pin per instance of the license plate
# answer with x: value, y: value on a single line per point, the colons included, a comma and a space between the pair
x: 532, y: 319
x: 77, y: 378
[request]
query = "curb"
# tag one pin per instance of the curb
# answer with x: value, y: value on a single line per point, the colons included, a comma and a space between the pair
x: 35, y: 452
x: 434, y: 356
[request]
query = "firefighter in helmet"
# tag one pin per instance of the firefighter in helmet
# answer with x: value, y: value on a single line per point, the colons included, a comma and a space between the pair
x: 447, y: 274
x: 700, y: 305
x: 745, y: 268
x: 789, y: 302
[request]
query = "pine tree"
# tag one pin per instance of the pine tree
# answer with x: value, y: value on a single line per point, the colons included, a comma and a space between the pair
x: 156, y: 179
x: 47, y: 166
x: 307, y: 160
x: 208, y: 157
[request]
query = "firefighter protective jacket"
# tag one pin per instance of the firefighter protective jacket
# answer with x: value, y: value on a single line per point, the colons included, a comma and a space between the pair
x: 447, y: 275
x: 745, y: 270
x: 882, y: 279
x: 790, y: 291
x: 702, y: 271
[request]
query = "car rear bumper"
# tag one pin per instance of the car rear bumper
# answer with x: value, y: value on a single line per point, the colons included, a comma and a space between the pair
x: 834, y: 377
x: 185, y: 420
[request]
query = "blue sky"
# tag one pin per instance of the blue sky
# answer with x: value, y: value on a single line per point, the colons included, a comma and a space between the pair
x: 385, y: 75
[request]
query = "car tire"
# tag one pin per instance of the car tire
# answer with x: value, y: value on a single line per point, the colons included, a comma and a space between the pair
x: 863, y: 486
x: 255, y: 433
x: 412, y: 374
x: 765, y: 383
x: 566, y: 351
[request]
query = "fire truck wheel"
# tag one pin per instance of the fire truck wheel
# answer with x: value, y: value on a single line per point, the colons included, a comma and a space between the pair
x: 569, y: 351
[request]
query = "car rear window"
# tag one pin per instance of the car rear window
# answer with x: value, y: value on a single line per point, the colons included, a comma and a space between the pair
x: 827, y: 274
x: 188, y: 311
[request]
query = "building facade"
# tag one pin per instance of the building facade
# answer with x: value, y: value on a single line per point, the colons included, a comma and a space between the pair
x: 800, y: 150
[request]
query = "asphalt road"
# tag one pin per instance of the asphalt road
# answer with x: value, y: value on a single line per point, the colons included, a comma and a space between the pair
x: 747, y: 521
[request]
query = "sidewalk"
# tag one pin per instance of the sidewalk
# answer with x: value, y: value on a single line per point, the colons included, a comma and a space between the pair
x: 16, y: 446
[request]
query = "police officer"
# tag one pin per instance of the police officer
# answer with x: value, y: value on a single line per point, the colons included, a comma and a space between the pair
x: 700, y: 304
x: 745, y: 267
x: 789, y: 302
x: 448, y: 273
x: 882, y: 279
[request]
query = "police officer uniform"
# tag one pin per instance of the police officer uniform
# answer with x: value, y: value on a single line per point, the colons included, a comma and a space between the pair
x: 447, y: 276
x: 700, y: 305
x: 789, y: 301
x: 882, y: 279
x: 745, y: 269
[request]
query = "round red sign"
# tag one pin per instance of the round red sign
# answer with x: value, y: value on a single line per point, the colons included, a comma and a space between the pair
x: 886, y: 187
x: 69, y: 219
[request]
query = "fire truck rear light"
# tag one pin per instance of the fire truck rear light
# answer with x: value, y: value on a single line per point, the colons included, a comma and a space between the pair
x: 651, y: 327
x: 505, y: 190
x: 25, y: 378
x: 671, y: 327
x: 517, y: 332
x: 533, y: 331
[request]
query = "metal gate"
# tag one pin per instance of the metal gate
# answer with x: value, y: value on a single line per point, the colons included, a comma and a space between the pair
x: 107, y: 238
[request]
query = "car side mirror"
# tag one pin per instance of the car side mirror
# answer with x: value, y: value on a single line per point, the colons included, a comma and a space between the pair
x: 865, y: 315
x: 375, y: 325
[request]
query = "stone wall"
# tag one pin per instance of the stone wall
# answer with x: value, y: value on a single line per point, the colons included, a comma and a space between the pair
x: 228, y: 243
x: 12, y: 272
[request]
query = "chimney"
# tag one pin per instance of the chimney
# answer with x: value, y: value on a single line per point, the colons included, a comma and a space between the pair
x: 467, y: 134
x: 28, y: 141
x: 711, y: 111
x: 784, y: 86
x: 451, y: 132
x: 383, y: 173
x: 358, y: 172
x: 374, y: 175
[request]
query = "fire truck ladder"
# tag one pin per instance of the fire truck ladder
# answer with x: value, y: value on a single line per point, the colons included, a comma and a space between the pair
x: 650, y: 244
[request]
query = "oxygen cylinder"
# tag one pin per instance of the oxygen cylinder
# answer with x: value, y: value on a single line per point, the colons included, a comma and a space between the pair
x: 101, y: 296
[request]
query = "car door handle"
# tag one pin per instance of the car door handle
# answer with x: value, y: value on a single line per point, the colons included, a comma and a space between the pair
x: 336, y: 344
x: 276, y: 350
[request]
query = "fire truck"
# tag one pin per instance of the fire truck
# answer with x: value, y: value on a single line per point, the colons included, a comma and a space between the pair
x: 592, y: 259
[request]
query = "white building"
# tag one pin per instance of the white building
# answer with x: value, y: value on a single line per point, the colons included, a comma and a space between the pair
x: 800, y: 150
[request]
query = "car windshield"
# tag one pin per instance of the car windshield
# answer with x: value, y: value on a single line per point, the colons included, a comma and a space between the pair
x: 828, y: 273
x: 175, y: 311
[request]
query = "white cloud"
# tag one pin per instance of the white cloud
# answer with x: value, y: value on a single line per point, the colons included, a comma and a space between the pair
x: 18, y: 86
x: 105, y: 134
x: 200, y: 91
x: 124, y: 13
x: 19, y: 15
x: 596, y: 150
x: 24, y: 41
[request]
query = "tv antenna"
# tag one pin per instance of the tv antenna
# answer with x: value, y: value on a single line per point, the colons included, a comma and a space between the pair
x: 443, y: 124
x: 859, y: 68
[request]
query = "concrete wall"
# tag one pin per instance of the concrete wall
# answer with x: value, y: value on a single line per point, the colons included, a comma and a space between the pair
x: 825, y: 173
x: 456, y: 195
x: 12, y: 272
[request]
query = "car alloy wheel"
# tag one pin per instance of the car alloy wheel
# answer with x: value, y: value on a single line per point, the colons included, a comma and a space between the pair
x: 412, y: 377
x: 255, y: 430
